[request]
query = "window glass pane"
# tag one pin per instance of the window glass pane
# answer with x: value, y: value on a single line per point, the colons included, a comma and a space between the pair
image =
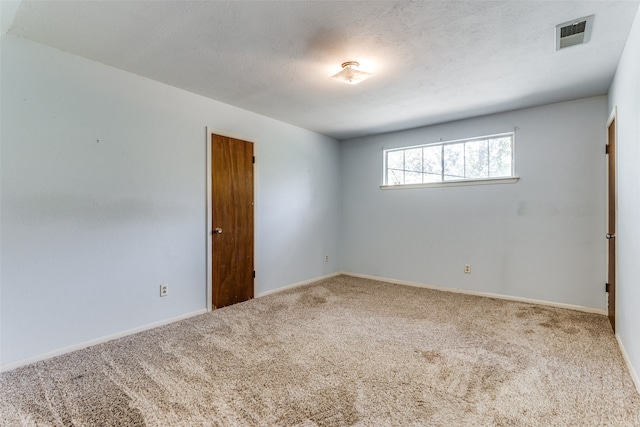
x: 412, y: 177
x: 432, y: 160
x: 453, y: 161
x: 395, y: 177
x: 500, y: 157
x: 413, y: 160
x: 395, y: 159
x: 476, y: 160
x: 395, y: 167
x: 429, y: 177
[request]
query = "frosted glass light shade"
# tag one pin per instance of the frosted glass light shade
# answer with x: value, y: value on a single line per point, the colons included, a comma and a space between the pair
x: 350, y: 74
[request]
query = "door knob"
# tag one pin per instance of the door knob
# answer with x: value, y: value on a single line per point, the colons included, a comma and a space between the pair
x: 217, y: 231
x: 611, y: 236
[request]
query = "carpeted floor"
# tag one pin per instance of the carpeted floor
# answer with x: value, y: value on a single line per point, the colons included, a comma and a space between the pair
x: 343, y: 351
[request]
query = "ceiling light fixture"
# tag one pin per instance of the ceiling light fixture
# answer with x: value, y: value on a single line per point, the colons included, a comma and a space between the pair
x: 350, y: 73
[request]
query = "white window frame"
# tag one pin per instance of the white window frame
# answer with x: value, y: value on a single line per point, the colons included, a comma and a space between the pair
x: 450, y: 183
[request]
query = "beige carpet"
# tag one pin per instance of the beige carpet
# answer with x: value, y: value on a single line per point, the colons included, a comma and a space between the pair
x: 343, y: 351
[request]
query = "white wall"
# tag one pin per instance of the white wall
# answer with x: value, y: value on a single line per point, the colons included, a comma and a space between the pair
x: 91, y: 229
x: 540, y: 238
x: 625, y: 94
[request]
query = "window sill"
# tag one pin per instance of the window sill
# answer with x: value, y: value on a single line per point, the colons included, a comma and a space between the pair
x: 489, y: 181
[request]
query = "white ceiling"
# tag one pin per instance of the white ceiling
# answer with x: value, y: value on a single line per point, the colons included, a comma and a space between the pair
x: 435, y: 61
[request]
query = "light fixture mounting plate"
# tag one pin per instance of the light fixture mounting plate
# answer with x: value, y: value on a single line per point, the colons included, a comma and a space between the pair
x: 351, y: 64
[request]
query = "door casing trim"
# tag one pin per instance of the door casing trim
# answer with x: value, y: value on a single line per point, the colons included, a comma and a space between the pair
x: 209, y: 230
x: 612, y: 116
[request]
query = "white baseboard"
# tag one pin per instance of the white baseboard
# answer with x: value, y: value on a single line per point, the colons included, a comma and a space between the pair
x: 632, y: 371
x: 481, y: 294
x: 295, y: 285
x: 44, y: 356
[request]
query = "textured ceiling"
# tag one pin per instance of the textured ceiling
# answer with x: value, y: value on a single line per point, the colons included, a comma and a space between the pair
x: 435, y: 61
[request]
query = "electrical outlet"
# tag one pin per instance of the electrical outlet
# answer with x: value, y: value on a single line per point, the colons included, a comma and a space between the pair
x: 467, y: 269
x: 326, y: 258
x: 164, y: 290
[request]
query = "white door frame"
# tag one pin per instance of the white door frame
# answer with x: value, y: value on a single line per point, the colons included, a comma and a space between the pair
x: 612, y: 116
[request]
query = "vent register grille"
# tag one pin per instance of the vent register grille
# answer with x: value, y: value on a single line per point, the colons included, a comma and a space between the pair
x: 572, y: 29
x: 577, y: 31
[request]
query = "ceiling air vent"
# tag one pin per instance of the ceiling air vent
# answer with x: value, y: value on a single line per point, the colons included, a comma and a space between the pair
x: 577, y: 31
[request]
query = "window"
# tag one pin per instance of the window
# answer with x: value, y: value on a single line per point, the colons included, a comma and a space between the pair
x: 484, y: 158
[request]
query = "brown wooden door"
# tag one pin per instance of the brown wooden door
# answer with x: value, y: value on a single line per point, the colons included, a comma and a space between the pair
x: 232, y: 220
x: 611, y: 227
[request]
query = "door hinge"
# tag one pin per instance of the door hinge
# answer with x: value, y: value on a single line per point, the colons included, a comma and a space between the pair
x: 254, y: 274
x: 606, y: 149
x: 254, y: 159
x: 606, y: 287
